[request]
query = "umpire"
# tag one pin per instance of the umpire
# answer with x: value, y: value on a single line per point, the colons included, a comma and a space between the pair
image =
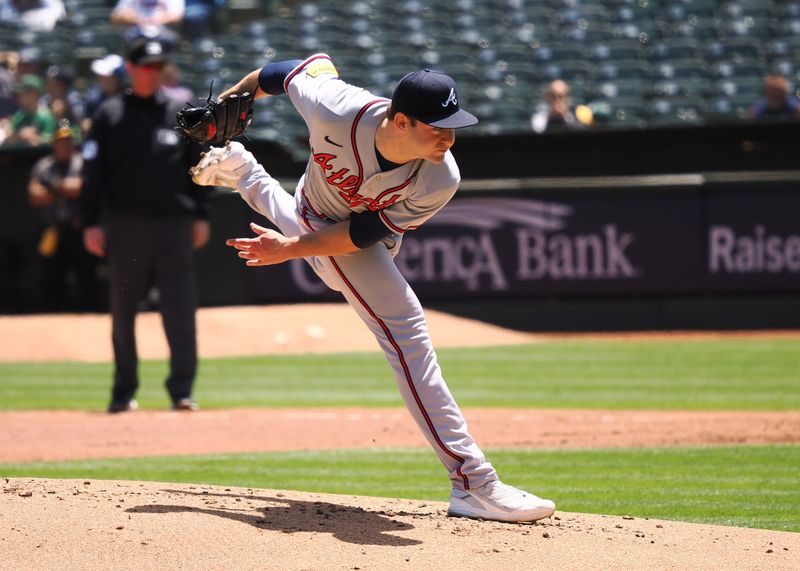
x: 142, y: 210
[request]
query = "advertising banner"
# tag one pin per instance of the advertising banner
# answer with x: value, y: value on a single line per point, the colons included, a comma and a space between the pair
x: 536, y: 245
x: 753, y: 240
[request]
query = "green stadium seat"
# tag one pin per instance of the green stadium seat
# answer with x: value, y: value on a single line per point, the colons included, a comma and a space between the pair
x: 746, y: 9
x: 728, y: 108
x: 695, y: 27
x: 622, y: 89
x: 748, y: 27
x: 671, y: 49
x: 616, y: 50
x: 623, y: 69
x: 676, y: 111
x: 736, y: 49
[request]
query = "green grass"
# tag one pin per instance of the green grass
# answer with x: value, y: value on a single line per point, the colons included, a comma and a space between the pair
x: 744, y: 486
x: 691, y: 375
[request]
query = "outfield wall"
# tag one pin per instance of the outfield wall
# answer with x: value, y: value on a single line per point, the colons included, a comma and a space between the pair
x: 686, y: 250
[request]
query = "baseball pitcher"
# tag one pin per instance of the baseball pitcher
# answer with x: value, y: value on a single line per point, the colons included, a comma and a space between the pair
x: 378, y: 169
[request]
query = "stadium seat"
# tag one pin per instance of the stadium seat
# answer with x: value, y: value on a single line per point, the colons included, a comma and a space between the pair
x: 680, y: 68
x: 555, y: 52
x: 586, y: 34
x: 761, y: 28
x: 785, y: 67
x: 727, y: 108
x: 681, y: 11
x: 682, y: 87
x: 623, y: 88
x: 788, y: 27
x: 616, y: 50
x: 733, y: 68
x: 737, y: 10
x: 695, y: 27
x: 749, y: 87
x: 788, y: 10
x: 636, y: 12
x: 90, y: 16
x: 644, y: 31
x: 670, y: 111
x: 676, y: 49
x: 783, y: 46
x: 699, y: 7
x: 539, y: 14
x: 619, y: 112
x: 533, y: 34
x: 583, y: 23
x: 738, y: 49
x: 623, y: 69
x: 581, y: 13
x: 96, y: 41
x: 575, y: 70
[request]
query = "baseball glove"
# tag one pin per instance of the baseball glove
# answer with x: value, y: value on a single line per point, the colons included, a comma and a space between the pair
x: 217, y: 121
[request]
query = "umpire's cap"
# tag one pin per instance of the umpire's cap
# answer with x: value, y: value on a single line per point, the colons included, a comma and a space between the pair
x: 147, y: 50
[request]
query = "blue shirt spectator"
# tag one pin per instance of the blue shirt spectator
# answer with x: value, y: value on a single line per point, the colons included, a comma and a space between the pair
x: 777, y: 102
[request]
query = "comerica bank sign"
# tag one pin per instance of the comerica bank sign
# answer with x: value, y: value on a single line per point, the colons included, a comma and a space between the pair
x: 578, y: 243
x: 495, y: 242
x: 639, y: 243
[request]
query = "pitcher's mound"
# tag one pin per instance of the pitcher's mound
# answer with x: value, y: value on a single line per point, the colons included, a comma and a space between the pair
x: 92, y: 524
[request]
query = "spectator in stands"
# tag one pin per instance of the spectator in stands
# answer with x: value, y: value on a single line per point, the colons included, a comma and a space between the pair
x: 32, y: 124
x: 29, y: 60
x: 557, y: 112
x: 38, y: 15
x: 64, y: 103
x: 172, y: 87
x: 109, y: 73
x: 54, y: 188
x: 8, y: 101
x: 201, y: 17
x: 155, y: 13
x: 777, y: 101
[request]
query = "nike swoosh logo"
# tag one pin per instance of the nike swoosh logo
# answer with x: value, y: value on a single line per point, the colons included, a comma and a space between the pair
x: 332, y: 143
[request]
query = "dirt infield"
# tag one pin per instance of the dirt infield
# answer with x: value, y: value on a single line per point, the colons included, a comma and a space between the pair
x: 29, y: 435
x: 131, y: 525
x: 139, y: 526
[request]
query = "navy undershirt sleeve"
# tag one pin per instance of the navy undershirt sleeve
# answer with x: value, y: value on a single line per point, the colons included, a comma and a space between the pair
x: 272, y: 75
x: 366, y: 229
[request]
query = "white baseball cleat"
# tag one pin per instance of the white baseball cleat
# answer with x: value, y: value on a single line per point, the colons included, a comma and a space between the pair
x: 499, y: 502
x: 223, y: 166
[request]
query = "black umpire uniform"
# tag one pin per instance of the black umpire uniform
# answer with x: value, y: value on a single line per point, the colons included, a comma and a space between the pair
x: 138, y: 195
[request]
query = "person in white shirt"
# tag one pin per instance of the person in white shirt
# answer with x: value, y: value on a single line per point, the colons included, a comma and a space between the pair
x: 37, y: 15
x: 146, y: 13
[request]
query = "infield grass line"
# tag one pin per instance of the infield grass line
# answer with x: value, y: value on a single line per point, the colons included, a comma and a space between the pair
x: 743, y: 486
x: 728, y: 374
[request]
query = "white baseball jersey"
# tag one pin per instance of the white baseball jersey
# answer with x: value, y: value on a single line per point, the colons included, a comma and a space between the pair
x: 343, y: 174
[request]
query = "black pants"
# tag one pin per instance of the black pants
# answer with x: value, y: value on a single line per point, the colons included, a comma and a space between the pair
x: 142, y: 251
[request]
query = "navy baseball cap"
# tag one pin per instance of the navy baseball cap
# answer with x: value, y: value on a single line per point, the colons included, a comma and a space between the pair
x: 431, y: 97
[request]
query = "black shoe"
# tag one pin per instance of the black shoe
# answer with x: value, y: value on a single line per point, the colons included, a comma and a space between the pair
x: 186, y: 404
x: 117, y: 407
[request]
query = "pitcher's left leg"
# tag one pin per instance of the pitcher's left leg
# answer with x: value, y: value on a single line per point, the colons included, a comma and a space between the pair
x: 381, y: 296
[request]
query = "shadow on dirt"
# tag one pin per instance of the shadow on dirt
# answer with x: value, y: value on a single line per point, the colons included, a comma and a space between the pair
x: 345, y: 523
